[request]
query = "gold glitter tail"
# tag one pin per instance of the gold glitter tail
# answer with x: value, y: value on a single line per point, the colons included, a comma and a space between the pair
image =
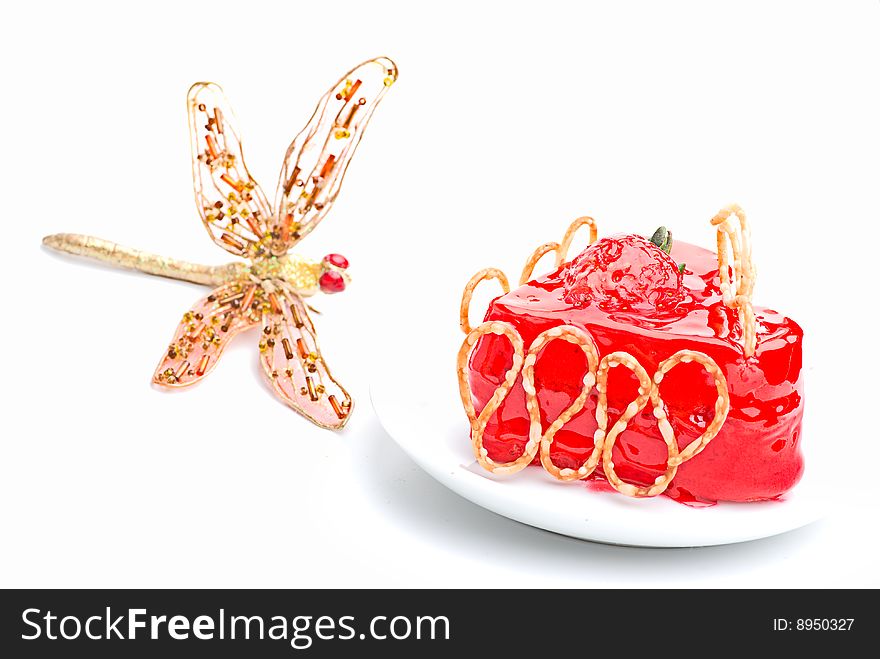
x: 134, y: 259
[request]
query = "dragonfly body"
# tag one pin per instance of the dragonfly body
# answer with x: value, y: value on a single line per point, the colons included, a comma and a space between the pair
x: 301, y: 273
x: 266, y: 289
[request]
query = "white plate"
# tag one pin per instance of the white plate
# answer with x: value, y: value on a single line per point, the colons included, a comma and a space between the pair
x: 419, y: 407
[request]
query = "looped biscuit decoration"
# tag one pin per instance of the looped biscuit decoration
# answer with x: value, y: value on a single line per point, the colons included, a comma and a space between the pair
x: 596, y: 375
x: 722, y: 402
x: 573, y: 228
x: 479, y: 421
x: 607, y: 438
x: 476, y: 280
x: 536, y: 256
x: 737, y: 286
x: 560, y: 248
x: 585, y: 342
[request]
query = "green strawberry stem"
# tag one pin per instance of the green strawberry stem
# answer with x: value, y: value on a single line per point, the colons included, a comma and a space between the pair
x: 663, y: 239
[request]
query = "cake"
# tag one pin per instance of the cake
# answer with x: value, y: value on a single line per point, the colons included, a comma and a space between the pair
x: 641, y: 366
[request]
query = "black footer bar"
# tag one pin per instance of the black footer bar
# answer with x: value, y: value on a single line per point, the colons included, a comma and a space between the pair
x: 539, y: 623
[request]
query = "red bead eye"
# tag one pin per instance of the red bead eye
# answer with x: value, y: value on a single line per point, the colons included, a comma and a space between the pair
x: 332, y: 282
x: 338, y: 260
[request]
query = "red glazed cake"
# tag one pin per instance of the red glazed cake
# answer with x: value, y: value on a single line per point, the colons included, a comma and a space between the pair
x: 708, y: 406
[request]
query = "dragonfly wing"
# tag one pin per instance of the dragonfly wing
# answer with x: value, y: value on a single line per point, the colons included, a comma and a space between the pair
x: 233, y: 207
x: 294, y: 366
x: 204, y: 332
x: 318, y: 157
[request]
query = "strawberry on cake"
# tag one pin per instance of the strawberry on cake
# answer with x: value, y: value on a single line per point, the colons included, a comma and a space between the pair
x: 641, y: 364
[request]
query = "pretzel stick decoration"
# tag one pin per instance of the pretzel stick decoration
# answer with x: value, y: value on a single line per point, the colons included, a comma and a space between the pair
x: 585, y: 342
x: 561, y: 249
x: 533, y: 259
x: 722, y: 403
x: 565, y: 245
x: 607, y: 440
x: 736, y: 290
x: 479, y: 421
x: 649, y: 390
x: 596, y: 375
x: 484, y: 274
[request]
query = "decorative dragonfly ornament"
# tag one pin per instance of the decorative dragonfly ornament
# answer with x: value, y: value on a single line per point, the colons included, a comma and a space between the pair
x: 268, y: 289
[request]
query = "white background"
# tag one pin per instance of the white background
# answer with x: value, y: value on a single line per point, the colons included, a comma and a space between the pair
x: 508, y: 120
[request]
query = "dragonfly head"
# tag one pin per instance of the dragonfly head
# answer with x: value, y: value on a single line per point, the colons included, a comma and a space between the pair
x: 334, y: 278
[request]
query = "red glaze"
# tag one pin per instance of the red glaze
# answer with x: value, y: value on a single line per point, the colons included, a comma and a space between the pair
x: 756, y: 455
x: 338, y: 260
x: 332, y: 282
